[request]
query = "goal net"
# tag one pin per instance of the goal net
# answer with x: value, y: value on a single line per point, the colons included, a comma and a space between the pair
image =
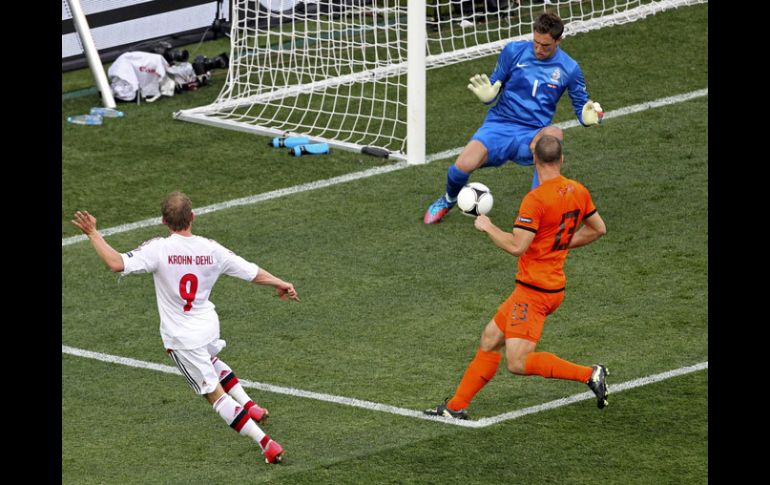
x: 352, y: 72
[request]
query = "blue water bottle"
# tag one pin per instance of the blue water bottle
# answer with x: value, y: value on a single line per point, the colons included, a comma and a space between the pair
x: 106, y: 112
x: 311, y: 149
x: 288, y: 142
x: 85, y: 120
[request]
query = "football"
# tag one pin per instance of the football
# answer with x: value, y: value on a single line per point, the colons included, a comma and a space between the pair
x: 475, y: 199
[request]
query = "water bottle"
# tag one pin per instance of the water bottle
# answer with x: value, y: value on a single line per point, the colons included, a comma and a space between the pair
x: 106, y: 112
x: 85, y: 120
x: 288, y: 142
x: 311, y: 149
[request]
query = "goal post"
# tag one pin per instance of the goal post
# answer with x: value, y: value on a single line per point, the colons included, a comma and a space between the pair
x: 351, y: 73
x: 415, y: 82
x: 92, y: 55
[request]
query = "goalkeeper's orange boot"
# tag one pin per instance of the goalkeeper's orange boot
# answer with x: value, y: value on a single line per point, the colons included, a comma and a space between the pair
x: 258, y: 414
x: 273, y: 451
x: 437, y: 210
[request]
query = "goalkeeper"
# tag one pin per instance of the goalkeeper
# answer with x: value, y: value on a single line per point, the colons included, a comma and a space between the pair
x: 527, y: 83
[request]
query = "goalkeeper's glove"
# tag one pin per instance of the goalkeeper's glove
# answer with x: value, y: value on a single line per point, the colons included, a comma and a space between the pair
x: 482, y: 89
x: 592, y: 113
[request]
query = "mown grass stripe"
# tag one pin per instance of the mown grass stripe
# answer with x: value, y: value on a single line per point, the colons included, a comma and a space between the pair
x: 319, y: 184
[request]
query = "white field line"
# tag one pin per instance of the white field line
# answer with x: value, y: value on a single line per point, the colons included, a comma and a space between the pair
x: 611, y: 388
x: 274, y: 194
x: 252, y: 199
x: 373, y: 406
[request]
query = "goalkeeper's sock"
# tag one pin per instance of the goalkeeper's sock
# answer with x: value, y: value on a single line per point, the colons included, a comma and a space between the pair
x: 535, y: 180
x: 455, y: 180
x: 237, y: 417
x: 231, y: 384
x: 550, y: 366
x: 480, y: 371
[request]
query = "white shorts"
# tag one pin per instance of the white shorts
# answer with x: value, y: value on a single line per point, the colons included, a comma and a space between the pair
x: 196, y: 366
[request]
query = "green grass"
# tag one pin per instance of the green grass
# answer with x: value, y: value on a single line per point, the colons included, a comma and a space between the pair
x: 384, y: 317
x: 653, y: 435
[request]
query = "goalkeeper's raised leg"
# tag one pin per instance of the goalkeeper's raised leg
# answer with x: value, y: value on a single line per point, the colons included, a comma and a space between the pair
x: 522, y: 92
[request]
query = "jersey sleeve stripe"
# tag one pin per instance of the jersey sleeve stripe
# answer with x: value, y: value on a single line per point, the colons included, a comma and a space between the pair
x: 589, y: 214
x: 525, y: 228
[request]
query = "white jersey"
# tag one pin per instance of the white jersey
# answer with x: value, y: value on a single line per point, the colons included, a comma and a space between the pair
x: 185, y: 270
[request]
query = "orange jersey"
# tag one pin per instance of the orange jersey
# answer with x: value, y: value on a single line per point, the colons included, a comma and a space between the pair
x: 553, y: 211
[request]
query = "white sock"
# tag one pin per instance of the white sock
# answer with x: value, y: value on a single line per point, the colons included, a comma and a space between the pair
x: 237, y: 417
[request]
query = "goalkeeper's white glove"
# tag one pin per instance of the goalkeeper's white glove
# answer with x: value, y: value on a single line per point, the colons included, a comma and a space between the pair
x: 482, y: 89
x: 592, y: 113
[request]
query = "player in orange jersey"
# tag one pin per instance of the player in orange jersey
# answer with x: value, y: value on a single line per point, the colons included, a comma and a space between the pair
x: 547, y: 227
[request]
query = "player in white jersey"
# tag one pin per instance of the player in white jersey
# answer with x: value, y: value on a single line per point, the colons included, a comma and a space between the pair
x: 185, y: 267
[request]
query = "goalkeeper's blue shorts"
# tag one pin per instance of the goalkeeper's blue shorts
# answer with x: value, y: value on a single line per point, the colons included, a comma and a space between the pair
x: 505, y: 142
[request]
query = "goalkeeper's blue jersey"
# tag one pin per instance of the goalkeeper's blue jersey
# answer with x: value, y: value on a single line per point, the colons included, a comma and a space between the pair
x: 531, y: 88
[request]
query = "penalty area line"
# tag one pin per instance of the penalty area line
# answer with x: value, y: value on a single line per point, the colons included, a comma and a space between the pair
x: 385, y: 408
x: 584, y: 396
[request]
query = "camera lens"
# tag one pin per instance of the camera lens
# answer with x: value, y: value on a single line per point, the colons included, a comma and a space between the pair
x: 221, y: 61
x: 199, y: 65
x: 176, y: 55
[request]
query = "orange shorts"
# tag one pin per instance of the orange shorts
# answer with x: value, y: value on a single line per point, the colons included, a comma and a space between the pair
x: 523, y: 314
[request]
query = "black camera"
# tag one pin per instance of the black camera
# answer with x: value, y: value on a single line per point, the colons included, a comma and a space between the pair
x: 171, y: 55
x: 201, y: 65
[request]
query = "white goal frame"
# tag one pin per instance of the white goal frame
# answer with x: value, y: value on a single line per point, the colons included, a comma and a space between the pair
x: 419, y: 59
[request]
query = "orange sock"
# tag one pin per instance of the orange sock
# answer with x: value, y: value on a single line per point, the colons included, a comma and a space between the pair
x: 480, y: 371
x: 550, y: 366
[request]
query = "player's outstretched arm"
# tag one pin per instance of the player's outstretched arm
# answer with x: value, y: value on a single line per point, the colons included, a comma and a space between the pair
x: 592, y: 113
x: 483, y: 90
x: 515, y: 242
x: 284, y: 289
x: 87, y: 223
x: 592, y: 229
